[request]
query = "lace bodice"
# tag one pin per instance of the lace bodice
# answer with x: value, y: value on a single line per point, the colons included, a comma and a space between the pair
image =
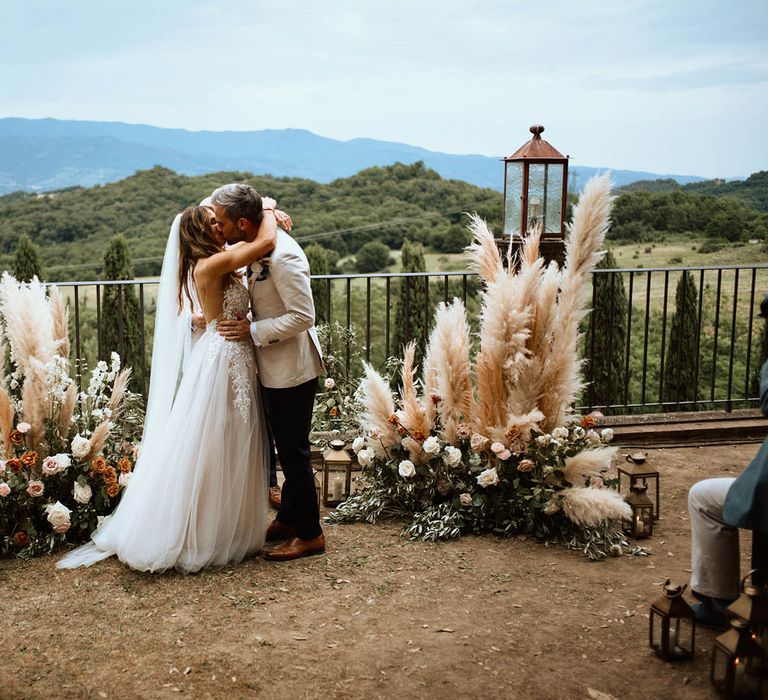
x: 235, y: 305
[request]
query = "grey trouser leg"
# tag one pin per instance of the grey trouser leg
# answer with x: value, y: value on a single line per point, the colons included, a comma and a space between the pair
x: 714, y: 544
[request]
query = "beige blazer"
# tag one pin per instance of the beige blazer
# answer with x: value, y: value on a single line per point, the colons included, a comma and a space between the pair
x: 283, y: 317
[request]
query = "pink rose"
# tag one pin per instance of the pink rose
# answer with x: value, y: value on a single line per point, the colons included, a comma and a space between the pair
x: 4, y: 489
x: 35, y: 488
x: 525, y: 465
x: 51, y: 466
x: 497, y: 447
x: 504, y: 455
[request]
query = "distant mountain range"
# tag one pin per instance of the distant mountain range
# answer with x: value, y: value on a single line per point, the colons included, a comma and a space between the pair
x: 51, y: 154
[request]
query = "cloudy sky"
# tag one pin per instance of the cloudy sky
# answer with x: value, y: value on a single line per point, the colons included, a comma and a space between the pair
x: 669, y: 86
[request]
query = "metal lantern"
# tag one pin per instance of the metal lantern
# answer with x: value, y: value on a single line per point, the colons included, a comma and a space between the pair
x: 738, y: 663
x: 337, y: 473
x: 640, y: 524
x: 535, y: 188
x: 318, y: 488
x: 752, y: 606
x: 640, y: 471
x: 672, y: 630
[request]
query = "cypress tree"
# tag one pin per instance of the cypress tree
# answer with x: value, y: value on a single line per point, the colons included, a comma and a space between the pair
x: 410, y: 321
x: 27, y: 262
x: 318, y: 265
x: 680, y: 364
x: 121, y: 322
x: 608, y: 323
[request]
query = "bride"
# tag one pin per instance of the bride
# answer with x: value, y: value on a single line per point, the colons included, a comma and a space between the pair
x: 198, y: 497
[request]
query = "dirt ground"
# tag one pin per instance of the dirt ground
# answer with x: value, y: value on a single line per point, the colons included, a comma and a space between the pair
x: 376, y: 617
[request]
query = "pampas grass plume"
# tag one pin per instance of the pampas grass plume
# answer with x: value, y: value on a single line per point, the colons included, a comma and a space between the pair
x: 99, y: 437
x: 591, y: 507
x: 7, y: 415
x: 588, y: 462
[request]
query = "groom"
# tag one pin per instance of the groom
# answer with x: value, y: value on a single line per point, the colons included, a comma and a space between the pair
x: 289, y: 360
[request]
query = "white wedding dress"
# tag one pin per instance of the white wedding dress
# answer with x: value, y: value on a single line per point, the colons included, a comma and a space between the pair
x: 198, y: 496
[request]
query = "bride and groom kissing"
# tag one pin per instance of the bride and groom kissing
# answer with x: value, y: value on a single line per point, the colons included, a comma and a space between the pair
x: 198, y: 497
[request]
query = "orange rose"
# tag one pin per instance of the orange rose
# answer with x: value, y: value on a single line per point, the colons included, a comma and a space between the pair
x: 29, y: 459
x: 124, y: 465
x: 14, y: 465
x: 588, y: 422
x: 113, y: 489
x: 110, y: 475
x: 16, y: 437
x: 20, y: 539
x: 99, y: 464
x: 334, y: 411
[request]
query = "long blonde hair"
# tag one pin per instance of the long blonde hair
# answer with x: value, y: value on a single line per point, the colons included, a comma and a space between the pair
x: 195, y: 243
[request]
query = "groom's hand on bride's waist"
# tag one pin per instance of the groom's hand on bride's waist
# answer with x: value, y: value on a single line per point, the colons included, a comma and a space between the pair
x: 235, y: 330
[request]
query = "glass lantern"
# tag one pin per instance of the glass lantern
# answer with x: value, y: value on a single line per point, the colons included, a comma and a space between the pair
x: 640, y: 470
x: 738, y: 663
x: 337, y: 474
x: 752, y: 606
x: 535, y: 189
x: 640, y: 524
x: 672, y: 630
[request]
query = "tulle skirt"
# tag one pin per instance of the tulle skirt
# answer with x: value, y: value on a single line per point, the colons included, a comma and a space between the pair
x: 198, y: 496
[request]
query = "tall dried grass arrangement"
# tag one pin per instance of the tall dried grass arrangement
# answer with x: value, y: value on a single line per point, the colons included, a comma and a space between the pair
x: 119, y: 387
x: 561, y: 370
x: 67, y: 409
x: 412, y: 415
x: 7, y: 414
x: 28, y: 321
x: 35, y: 401
x: 379, y: 407
x: 60, y: 317
x: 98, y: 438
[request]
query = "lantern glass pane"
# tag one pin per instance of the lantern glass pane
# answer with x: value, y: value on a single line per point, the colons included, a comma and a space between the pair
x: 513, y: 202
x: 536, y: 194
x: 657, y: 626
x: 553, y: 212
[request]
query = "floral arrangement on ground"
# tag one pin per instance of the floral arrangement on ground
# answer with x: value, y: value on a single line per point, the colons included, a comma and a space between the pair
x: 67, y: 455
x: 492, y: 444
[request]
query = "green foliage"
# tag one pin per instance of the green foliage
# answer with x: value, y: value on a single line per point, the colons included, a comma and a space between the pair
x: 608, y: 325
x: 753, y: 191
x: 372, y: 257
x: 682, y: 353
x: 410, y: 321
x: 318, y: 265
x: 72, y: 227
x: 121, y: 317
x: 26, y: 264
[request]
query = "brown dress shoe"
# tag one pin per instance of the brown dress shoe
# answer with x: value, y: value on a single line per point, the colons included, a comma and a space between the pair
x: 296, y: 548
x: 275, y: 497
x: 279, y: 531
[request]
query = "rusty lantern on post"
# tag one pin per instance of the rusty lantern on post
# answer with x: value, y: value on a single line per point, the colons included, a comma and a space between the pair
x: 535, y: 188
x: 337, y: 473
x: 640, y: 524
x: 672, y: 628
x: 738, y: 663
x: 639, y: 470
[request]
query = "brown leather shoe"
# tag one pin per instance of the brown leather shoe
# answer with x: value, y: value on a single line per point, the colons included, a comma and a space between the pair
x: 275, y: 497
x: 296, y: 548
x: 279, y: 531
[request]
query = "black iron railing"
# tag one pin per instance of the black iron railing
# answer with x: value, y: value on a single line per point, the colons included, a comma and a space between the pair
x: 369, y: 315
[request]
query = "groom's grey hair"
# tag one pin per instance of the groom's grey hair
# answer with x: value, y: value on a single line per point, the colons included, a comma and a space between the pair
x: 240, y: 201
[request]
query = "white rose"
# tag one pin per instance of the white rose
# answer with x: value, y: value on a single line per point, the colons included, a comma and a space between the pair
x: 478, y: 442
x: 489, y: 477
x: 125, y: 479
x: 23, y: 427
x: 329, y: 383
x: 606, y: 435
x: 431, y: 445
x: 51, y: 466
x: 406, y: 469
x: 578, y: 432
x: 592, y: 437
x: 560, y: 433
x: 4, y: 489
x: 465, y: 499
x: 364, y: 457
x: 543, y: 440
x: 63, y: 459
x: 80, y: 446
x: 35, y: 488
x: 82, y: 494
x: 452, y: 456
x: 58, y: 516
x: 504, y: 455
x: 358, y: 443
x: 497, y: 447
